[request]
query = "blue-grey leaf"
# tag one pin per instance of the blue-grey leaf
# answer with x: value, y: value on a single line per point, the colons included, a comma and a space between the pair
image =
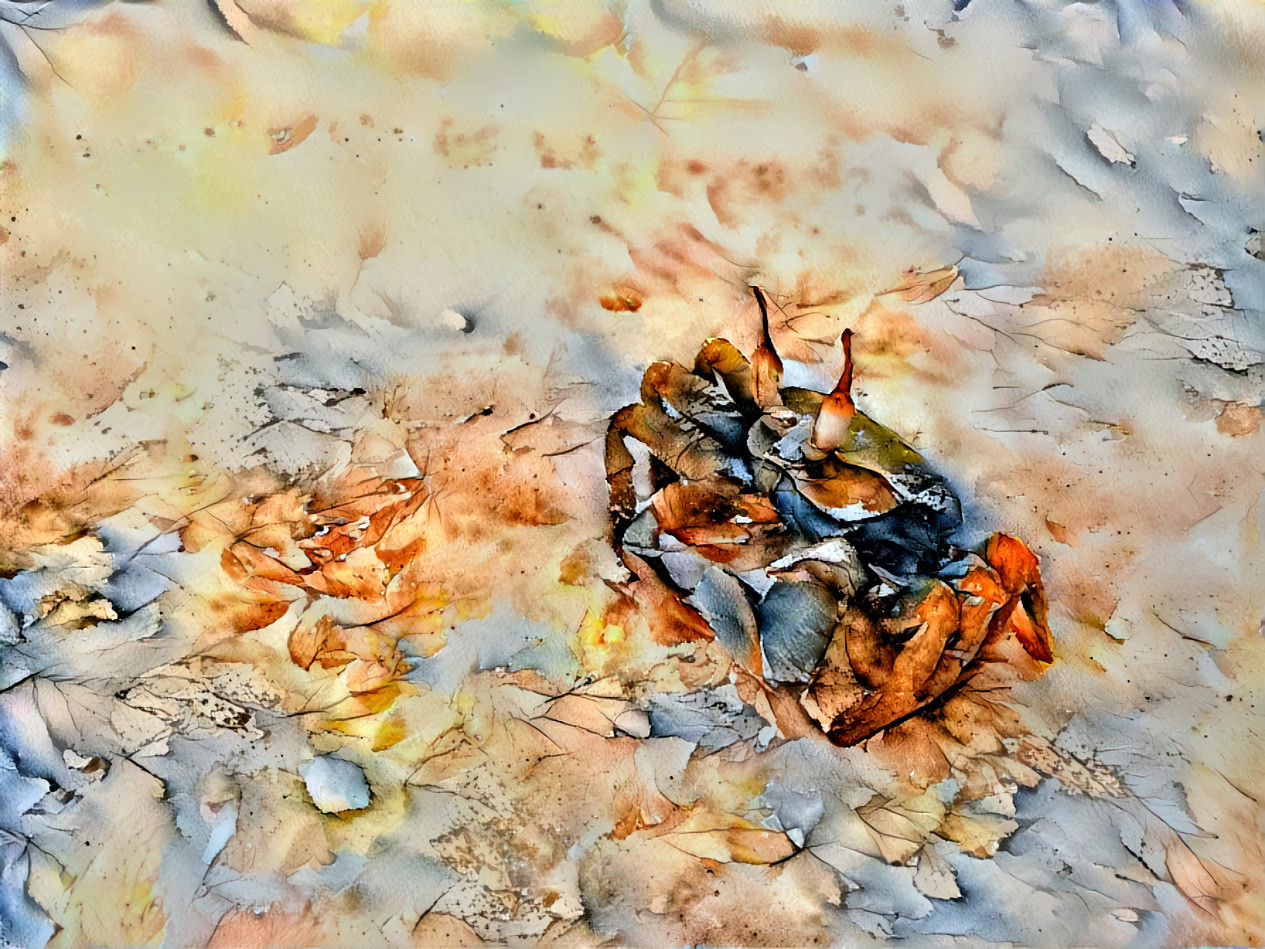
x: 796, y: 620
x: 726, y: 607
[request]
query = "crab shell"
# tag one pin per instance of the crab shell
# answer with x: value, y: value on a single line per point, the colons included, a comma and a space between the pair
x: 827, y: 574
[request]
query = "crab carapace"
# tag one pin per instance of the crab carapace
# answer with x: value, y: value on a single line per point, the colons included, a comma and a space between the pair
x: 811, y: 541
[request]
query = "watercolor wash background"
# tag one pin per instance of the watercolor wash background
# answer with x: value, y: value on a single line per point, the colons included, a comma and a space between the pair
x: 259, y: 250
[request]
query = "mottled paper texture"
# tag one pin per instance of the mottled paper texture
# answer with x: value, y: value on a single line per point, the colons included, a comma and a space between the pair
x: 331, y: 613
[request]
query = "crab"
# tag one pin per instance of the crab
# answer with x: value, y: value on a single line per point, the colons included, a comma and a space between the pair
x: 813, y: 543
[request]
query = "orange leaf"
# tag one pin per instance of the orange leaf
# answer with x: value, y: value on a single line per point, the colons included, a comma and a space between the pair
x: 259, y: 565
x: 1035, y: 638
x: 847, y: 486
x: 937, y: 615
x: 309, y: 641
x: 1025, y: 615
x: 260, y: 615
x: 232, y: 565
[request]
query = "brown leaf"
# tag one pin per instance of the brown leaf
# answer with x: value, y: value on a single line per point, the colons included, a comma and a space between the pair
x: 722, y: 524
x: 835, y: 686
x: 719, y: 358
x: 870, y: 655
x: 848, y: 485
x: 308, y: 641
x: 671, y: 620
x: 619, y: 475
x: 690, y: 452
x: 937, y: 615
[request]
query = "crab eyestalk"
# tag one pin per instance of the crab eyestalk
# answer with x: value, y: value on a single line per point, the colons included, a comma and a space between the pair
x: 765, y: 364
x: 831, y: 428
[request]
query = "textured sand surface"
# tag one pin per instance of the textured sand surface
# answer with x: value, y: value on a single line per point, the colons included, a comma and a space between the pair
x: 314, y: 312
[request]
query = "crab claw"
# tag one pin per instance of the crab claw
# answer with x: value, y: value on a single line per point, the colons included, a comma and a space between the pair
x: 1026, y: 612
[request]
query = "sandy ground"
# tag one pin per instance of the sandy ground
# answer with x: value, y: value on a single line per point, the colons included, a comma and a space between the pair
x: 273, y: 265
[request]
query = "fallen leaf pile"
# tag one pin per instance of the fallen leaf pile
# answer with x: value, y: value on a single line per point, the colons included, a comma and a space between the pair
x: 346, y: 554
x: 812, y: 543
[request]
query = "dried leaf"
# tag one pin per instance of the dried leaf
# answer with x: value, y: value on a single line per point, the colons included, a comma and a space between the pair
x: 724, y: 601
x: 726, y: 838
x: 934, y: 876
x: 846, y: 488
x: 687, y: 450
x: 672, y: 620
x: 916, y: 287
x: 726, y: 526
x: 720, y: 359
x: 795, y: 622
x: 900, y: 828
x: 1025, y: 615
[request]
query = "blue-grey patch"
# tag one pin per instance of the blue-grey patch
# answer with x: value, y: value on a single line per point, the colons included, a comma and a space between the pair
x: 130, y: 589
x: 335, y: 784
x: 10, y: 631
x: 713, y: 719
x: 728, y: 428
x: 502, y: 639
x: 802, y: 515
x: 796, y: 621
x: 22, y: 922
x: 725, y: 605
